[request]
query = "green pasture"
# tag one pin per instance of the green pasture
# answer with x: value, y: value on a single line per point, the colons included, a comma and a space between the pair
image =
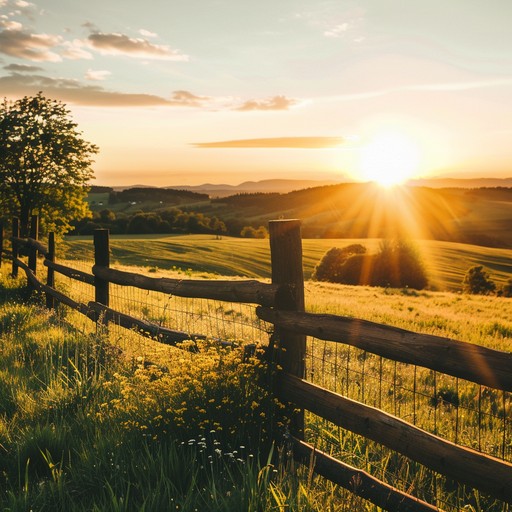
x: 447, y: 262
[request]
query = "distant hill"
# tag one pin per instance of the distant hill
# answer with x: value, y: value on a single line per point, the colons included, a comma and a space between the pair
x: 288, y: 185
x: 273, y: 185
x: 479, y: 216
x: 461, y: 183
x: 357, y: 210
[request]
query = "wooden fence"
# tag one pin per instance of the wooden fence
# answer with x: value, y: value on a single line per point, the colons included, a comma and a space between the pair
x: 281, y: 303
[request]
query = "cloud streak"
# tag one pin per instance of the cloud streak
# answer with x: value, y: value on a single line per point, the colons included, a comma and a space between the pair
x: 439, y: 87
x: 121, y: 44
x: 274, y: 103
x: 276, y: 142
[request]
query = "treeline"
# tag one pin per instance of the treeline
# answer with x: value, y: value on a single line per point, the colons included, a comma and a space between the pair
x: 170, y: 220
x: 164, y: 221
x: 167, y: 195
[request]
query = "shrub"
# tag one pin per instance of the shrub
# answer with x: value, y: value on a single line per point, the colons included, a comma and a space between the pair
x: 329, y: 267
x: 398, y: 264
x: 506, y: 290
x: 477, y: 282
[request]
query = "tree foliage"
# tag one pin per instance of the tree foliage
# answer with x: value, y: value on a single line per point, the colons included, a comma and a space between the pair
x: 330, y: 266
x: 398, y: 264
x: 45, y: 164
x: 506, y: 290
x: 476, y: 281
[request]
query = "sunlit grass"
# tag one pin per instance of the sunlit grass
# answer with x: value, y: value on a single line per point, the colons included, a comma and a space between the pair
x: 81, y: 405
x: 446, y: 262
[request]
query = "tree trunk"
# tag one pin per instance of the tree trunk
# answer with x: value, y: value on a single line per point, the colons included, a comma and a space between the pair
x: 24, y: 221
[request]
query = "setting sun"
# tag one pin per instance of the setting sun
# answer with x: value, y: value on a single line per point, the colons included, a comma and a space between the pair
x: 389, y: 158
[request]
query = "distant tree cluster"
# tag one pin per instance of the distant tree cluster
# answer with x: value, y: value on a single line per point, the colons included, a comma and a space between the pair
x: 171, y: 220
x: 141, y: 194
x: 250, y: 232
x: 397, y: 264
x: 478, y: 282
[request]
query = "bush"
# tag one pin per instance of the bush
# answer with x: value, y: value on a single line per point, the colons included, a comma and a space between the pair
x: 329, y: 267
x: 477, y: 282
x: 506, y: 290
x: 398, y: 264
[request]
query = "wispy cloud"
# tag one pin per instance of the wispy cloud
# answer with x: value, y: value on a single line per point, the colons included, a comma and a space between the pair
x: 22, y: 68
x: 188, y: 99
x: 147, y: 33
x: 74, y: 92
x: 434, y: 87
x: 17, y: 42
x: 276, y: 142
x: 336, y: 31
x: 97, y: 75
x: 274, y: 103
x: 121, y: 44
x: 76, y: 50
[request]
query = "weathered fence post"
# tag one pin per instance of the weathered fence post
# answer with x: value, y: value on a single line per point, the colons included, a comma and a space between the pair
x: 1, y: 242
x: 32, y: 251
x: 50, y: 279
x: 15, y: 234
x: 286, y: 260
x: 101, y: 259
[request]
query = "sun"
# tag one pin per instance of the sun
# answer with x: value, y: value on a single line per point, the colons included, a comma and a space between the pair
x: 389, y: 158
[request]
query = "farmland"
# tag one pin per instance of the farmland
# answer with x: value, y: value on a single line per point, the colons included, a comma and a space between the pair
x: 186, y: 406
x: 446, y: 262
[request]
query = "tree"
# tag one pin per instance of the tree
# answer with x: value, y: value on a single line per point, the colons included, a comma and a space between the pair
x: 329, y: 267
x: 248, y: 232
x: 397, y: 264
x: 476, y: 281
x: 506, y: 291
x: 45, y: 164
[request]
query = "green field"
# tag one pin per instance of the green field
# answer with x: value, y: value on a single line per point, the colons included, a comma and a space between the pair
x: 86, y: 426
x: 446, y: 262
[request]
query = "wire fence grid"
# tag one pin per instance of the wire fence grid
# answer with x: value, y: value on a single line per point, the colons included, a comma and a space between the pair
x: 457, y: 410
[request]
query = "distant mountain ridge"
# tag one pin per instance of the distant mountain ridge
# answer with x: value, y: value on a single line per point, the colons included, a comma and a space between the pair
x: 272, y: 185
x: 284, y: 186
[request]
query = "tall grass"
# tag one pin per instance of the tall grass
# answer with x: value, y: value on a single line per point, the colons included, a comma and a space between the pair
x: 84, y: 427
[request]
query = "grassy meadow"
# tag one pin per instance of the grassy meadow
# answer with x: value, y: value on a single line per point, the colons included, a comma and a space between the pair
x: 95, y: 420
x: 446, y: 262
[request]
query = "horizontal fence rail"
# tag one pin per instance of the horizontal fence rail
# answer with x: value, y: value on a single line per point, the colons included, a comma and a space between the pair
x: 359, y: 482
x: 251, y: 292
x: 492, y: 368
x: 282, y: 305
x: 70, y: 272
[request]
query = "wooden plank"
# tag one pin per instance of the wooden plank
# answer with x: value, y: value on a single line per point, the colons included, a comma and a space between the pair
x: 464, y: 465
x: 148, y: 329
x: 468, y: 361
x: 251, y: 291
x: 358, y: 481
x: 73, y: 273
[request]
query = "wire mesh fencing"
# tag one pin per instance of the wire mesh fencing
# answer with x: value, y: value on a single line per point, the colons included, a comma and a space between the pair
x: 456, y: 410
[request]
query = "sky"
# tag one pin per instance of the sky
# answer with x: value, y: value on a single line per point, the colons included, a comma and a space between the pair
x: 183, y: 92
